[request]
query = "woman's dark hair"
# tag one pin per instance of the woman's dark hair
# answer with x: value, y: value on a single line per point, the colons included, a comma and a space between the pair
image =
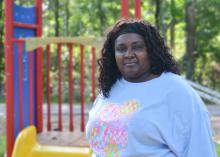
x: 159, y: 56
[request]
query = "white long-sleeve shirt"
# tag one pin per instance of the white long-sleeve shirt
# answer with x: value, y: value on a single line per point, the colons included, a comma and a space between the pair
x: 163, y: 117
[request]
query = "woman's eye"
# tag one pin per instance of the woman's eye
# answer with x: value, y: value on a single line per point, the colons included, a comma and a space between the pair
x: 121, y: 49
x: 138, y: 47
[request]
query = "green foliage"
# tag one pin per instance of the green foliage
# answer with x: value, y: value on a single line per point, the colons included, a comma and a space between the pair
x: 208, y: 49
x: 88, y: 17
x: 25, y: 2
x: 2, y: 146
x: 94, y: 17
x: 208, y: 27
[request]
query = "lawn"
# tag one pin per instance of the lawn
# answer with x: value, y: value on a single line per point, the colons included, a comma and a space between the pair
x: 2, y: 146
x: 218, y: 150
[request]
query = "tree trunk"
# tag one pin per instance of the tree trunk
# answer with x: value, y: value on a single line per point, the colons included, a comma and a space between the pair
x: 201, y: 67
x: 157, y: 12
x: 172, y: 25
x: 67, y: 17
x: 189, y: 57
x: 56, y: 16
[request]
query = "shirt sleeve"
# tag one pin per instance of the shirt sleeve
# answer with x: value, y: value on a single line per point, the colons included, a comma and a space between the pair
x: 191, y: 134
x: 199, y: 140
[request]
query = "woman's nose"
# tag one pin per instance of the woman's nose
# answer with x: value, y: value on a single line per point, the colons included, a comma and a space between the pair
x: 129, y: 53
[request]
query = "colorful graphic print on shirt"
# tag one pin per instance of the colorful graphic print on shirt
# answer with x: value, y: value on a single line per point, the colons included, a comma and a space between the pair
x: 108, y: 134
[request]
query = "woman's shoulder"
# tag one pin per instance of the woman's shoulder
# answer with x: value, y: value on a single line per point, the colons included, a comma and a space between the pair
x: 176, y: 83
x: 182, y: 95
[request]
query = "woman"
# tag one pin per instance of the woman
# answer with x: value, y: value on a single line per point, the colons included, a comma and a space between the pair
x: 145, y: 108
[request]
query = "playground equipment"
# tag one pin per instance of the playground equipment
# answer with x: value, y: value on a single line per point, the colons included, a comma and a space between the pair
x: 24, y: 81
x: 28, y: 134
x: 23, y: 98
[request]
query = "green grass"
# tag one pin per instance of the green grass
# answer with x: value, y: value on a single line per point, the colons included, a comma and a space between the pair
x: 218, y: 150
x: 2, y: 146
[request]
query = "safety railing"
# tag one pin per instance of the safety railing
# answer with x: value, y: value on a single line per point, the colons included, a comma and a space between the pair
x: 56, y: 47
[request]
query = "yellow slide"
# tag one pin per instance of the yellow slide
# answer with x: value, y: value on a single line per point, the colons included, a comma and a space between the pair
x: 27, y: 146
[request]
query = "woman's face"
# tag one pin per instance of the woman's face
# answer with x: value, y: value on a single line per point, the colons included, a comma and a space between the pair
x: 132, y: 57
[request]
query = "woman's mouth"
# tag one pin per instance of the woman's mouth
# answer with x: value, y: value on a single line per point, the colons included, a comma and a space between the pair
x: 130, y: 63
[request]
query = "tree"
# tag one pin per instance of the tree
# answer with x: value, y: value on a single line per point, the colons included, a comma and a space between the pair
x: 189, y: 58
x: 67, y: 17
x: 56, y: 17
x: 208, y: 35
x: 172, y: 24
x: 157, y: 12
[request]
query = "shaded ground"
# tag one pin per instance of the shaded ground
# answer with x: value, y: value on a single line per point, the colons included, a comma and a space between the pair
x: 64, y: 138
x: 214, y: 111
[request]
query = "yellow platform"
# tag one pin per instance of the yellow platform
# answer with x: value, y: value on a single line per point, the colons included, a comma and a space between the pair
x: 26, y: 145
